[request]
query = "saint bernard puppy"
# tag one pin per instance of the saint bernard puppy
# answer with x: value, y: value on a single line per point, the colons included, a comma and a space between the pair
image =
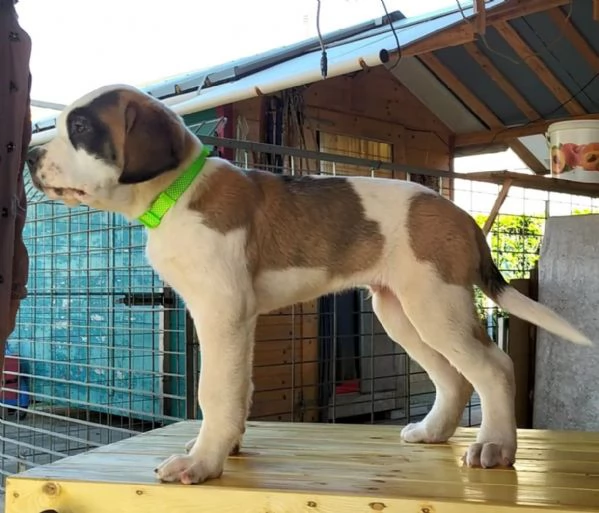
x: 235, y: 244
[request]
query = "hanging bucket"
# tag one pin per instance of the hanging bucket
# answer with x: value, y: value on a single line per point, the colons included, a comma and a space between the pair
x: 574, y: 150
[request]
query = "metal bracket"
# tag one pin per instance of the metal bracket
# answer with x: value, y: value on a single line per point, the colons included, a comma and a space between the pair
x: 165, y: 298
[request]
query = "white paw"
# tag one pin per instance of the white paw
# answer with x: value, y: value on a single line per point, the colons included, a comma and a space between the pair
x: 489, y: 455
x: 421, y: 432
x: 186, y: 470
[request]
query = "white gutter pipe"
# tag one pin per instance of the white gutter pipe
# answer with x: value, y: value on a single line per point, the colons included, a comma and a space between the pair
x: 294, y: 73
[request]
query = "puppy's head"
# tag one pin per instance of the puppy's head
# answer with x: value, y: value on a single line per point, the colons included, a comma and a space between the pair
x: 107, y: 143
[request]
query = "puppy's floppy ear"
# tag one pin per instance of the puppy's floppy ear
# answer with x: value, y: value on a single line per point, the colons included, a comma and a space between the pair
x: 154, y: 142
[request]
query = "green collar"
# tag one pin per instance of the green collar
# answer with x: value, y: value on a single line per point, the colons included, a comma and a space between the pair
x: 152, y: 217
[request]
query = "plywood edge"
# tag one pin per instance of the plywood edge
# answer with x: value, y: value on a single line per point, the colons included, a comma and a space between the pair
x: 31, y: 496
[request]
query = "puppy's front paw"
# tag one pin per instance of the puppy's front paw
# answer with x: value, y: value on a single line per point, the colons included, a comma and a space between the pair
x: 186, y: 469
x: 421, y: 432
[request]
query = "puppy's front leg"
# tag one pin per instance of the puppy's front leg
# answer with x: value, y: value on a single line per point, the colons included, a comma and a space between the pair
x: 226, y: 344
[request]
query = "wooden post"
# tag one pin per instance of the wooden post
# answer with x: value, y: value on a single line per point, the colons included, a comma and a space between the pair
x: 497, y: 205
x: 596, y: 10
x: 521, y: 349
x: 480, y: 20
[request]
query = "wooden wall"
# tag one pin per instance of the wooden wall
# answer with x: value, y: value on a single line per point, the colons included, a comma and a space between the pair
x: 370, y: 104
x: 374, y: 105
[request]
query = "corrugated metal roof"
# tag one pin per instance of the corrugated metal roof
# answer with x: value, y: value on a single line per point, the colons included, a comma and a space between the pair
x: 551, y: 46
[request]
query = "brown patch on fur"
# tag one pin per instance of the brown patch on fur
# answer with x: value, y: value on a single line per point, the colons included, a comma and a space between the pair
x: 291, y: 221
x: 444, y: 235
x: 448, y: 237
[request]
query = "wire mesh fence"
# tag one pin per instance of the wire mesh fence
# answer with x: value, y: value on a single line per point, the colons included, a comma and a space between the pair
x: 104, y: 349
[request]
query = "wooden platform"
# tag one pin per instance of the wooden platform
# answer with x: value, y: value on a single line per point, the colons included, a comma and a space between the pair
x: 320, y: 468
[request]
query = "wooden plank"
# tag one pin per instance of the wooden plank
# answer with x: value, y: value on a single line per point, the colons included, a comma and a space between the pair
x: 596, y: 10
x: 308, y: 400
x: 540, y: 68
x: 464, y: 32
x: 505, y: 188
x: 505, y: 134
x: 491, y: 70
x: 564, y: 24
x: 469, y: 99
x: 533, y: 163
x: 297, y: 468
x: 454, y: 36
x: 352, y: 98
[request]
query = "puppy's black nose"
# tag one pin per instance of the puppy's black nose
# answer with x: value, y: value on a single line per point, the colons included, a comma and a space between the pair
x: 34, y: 156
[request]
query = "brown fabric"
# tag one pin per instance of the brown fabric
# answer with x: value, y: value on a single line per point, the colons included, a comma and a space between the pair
x: 15, y: 136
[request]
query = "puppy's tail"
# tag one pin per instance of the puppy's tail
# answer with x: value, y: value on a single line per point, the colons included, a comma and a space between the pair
x: 494, y: 285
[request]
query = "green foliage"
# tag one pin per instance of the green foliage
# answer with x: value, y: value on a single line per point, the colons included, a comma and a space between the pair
x: 515, y: 241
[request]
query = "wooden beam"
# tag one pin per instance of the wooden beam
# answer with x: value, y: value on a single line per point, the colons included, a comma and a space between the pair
x: 526, y: 156
x: 511, y: 9
x: 461, y: 91
x: 564, y: 24
x: 538, y: 183
x: 539, y: 67
x: 596, y: 10
x: 455, y: 36
x: 491, y: 70
x: 505, y: 134
x: 497, y: 205
x: 464, y: 32
x: 480, y: 19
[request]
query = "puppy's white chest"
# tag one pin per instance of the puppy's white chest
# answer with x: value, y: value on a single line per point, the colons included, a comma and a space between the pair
x: 194, y: 260
x: 177, y: 256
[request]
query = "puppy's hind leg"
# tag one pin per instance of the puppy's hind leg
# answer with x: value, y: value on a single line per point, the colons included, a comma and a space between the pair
x: 445, y: 318
x: 453, y: 391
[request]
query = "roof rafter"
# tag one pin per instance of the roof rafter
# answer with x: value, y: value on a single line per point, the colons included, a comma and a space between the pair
x: 468, y: 98
x: 480, y: 16
x: 581, y: 45
x: 480, y: 109
x: 464, y: 32
x: 487, y: 65
x: 526, y: 156
x: 505, y: 134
